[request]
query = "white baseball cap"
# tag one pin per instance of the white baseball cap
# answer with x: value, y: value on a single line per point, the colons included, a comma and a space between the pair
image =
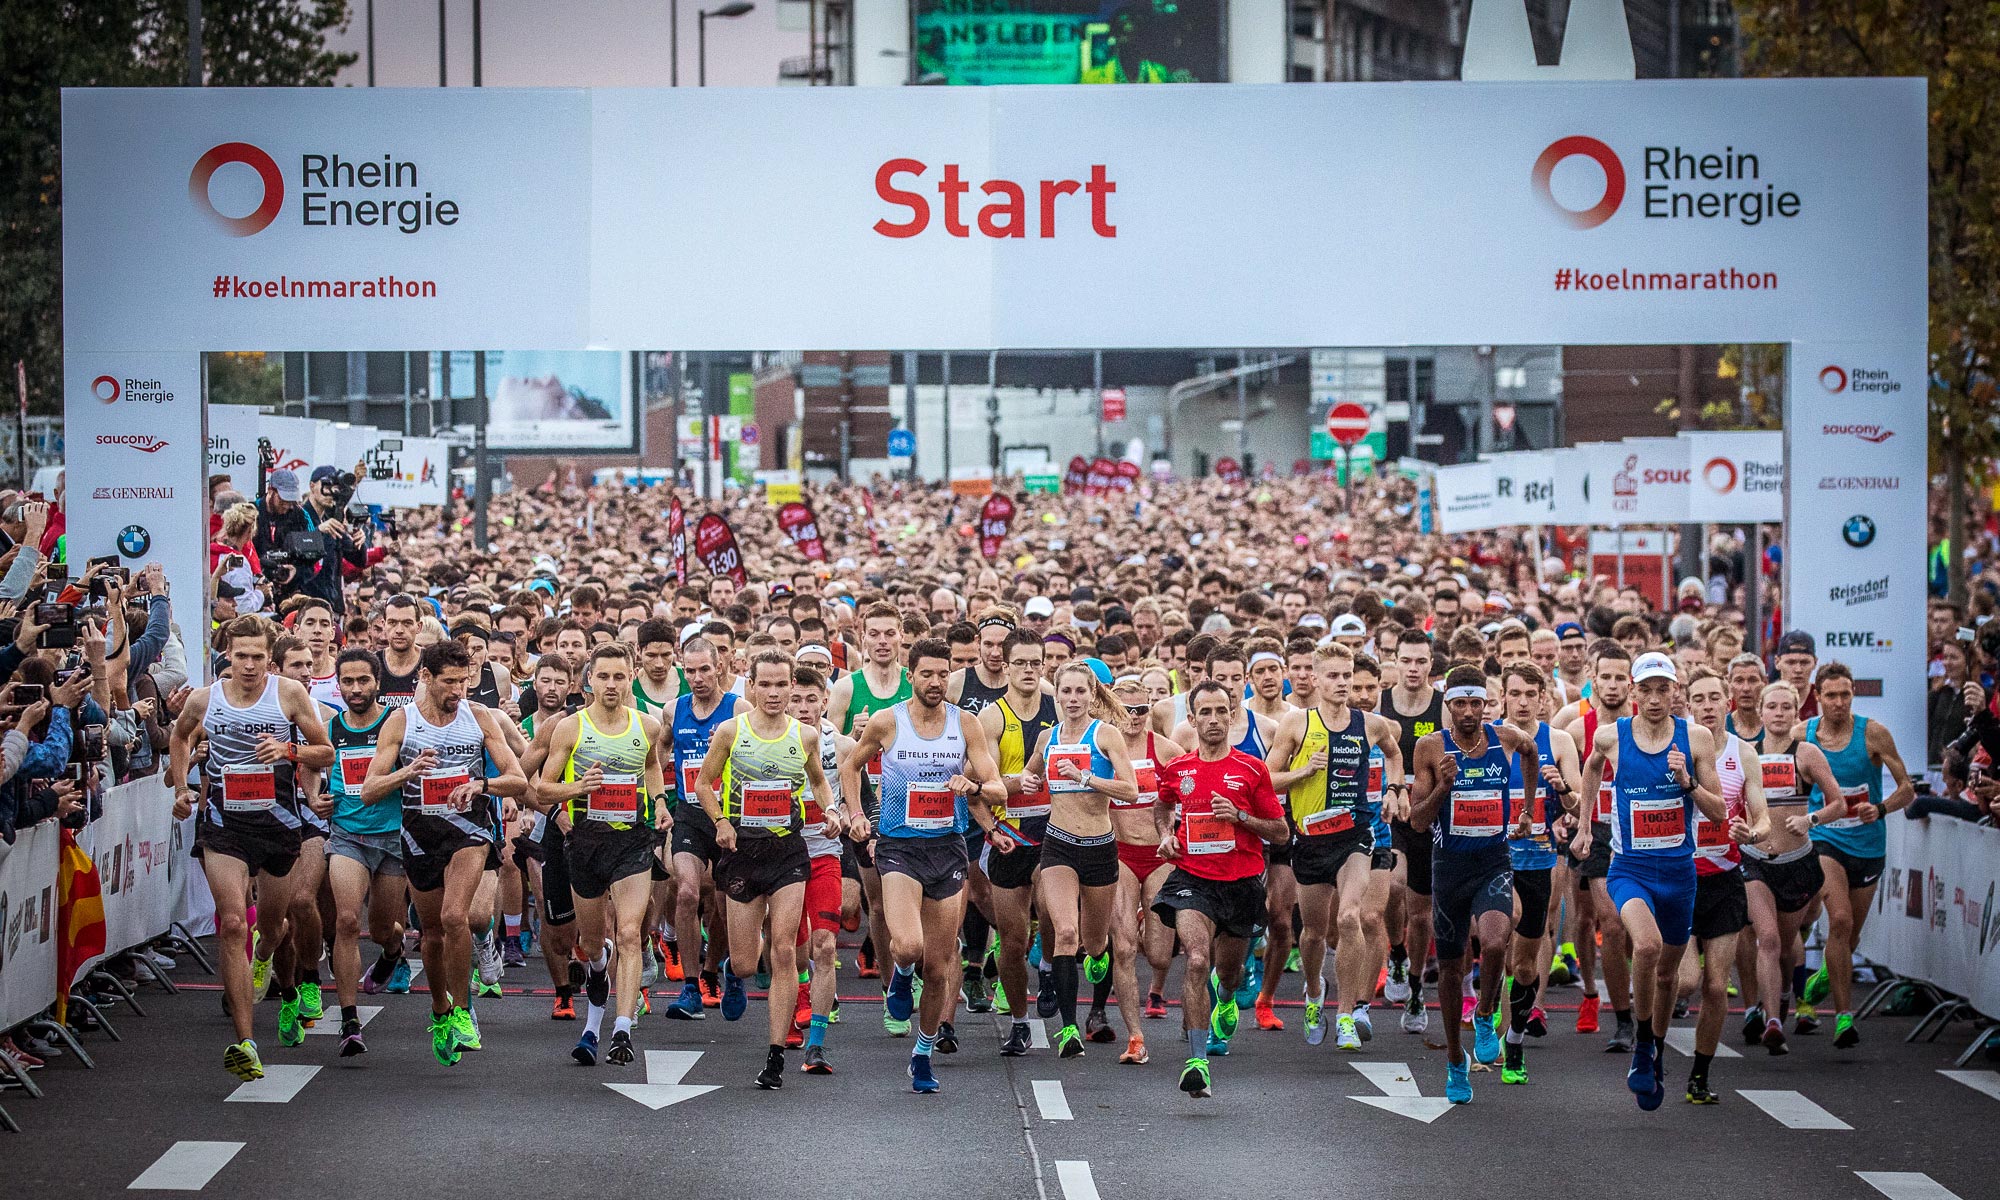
x: 1349, y: 625
x: 690, y: 632
x: 1040, y: 606
x: 1654, y: 666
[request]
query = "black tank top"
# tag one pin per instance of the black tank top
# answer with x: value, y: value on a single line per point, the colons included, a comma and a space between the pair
x: 1411, y: 726
x: 976, y: 694
x: 487, y: 690
x: 398, y: 690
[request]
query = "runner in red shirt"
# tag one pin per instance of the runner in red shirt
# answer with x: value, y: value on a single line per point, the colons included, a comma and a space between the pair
x: 1215, y: 811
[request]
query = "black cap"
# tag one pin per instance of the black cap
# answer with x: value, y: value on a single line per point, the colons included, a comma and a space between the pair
x: 1080, y: 594
x: 1798, y: 641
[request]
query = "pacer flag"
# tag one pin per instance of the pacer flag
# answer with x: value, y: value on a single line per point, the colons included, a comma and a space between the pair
x: 799, y: 524
x: 715, y: 546
x: 1076, y: 476
x: 677, y: 541
x: 994, y: 518
x: 1102, y: 472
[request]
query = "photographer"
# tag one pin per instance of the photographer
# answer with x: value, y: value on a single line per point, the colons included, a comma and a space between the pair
x: 326, y: 506
x: 302, y: 541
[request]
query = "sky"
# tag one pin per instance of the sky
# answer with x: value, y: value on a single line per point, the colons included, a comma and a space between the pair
x: 583, y: 43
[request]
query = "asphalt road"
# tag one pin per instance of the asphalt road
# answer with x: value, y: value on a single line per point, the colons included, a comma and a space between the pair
x: 1286, y: 1120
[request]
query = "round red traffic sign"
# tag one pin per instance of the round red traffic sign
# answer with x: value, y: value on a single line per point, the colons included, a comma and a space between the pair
x: 1347, y: 423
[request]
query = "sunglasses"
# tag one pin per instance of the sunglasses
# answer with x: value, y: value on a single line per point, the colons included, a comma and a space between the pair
x: 1138, y: 710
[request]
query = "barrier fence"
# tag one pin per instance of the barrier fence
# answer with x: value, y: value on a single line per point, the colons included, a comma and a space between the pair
x: 1937, y: 911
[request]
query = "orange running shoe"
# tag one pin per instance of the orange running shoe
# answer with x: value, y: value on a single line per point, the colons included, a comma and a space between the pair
x: 1135, y: 1050
x: 564, y: 1010
x: 794, y: 1038
x: 864, y: 964
x: 1586, y: 1015
x: 1267, y: 1018
x: 670, y: 954
x: 802, y: 1016
x: 711, y: 991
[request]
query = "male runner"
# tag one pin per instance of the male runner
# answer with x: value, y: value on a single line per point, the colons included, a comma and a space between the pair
x: 1721, y: 907
x: 1663, y: 769
x: 1853, y: 849
x: 305, y: 931
x: 430, y: 751
x: 882, y: 681
x: 1610, y: 700
x: 1325, y: 750
x: 1533, y: 858
x: 1464, y: 795
x: 764, y: 761
x: 700, y: 709
x: 250, y: 828
x: 972, y: 688
x: 934, y: 764
x: 1418, y: 710
x: 1215, y: 812
x: 313, y: 624
x: 1015, y: 722
x: 655, y: 691
x: 544, y: 846
x: 1266, y: 670
x: 400, y: 656
x: 824, y: 886
x: 604, y: 776
x: 365, y: 859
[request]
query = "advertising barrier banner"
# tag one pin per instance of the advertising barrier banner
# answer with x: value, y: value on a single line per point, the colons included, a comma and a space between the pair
x: 1937, y: 909
x: 1639, y: 481
x: 28, y: 923
x: 419, y: 471
x: 1464, y: 497
x: 1736, y: 476
x: 132, y: 844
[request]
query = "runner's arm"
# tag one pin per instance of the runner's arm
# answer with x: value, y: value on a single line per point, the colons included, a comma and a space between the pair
x: 303, y: 711
x: 186, y: 726
x: 867, y: 746
x: 385, y: 779
x: 509, y: 780
x: 1429, y: 787
x: 1565, y: 751
x: 1123, y: 786
x: 1756, y: 814
x: 549, y: 788
x: 1707, y: 788
x: 1261, y: 814
x: 711, y: 769
x: 823, y: 793
x: 1819, y: 772
x: 982, y: 770
x: 1882, y: 750
x: 1284, y: 744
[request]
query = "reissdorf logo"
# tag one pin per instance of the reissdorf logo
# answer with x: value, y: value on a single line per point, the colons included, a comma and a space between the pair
x: 1872, y: 434
x: 1599, y: 153
x: 144, y: 442
x: 1720, y: 475
x: 250, y: 156
x: 1679, y: 184
x: 105, y: 388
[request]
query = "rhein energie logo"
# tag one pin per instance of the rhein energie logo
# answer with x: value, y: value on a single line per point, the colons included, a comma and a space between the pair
x: 251, y: 156
x: 1837, y: 379
x: 333, y: 191
x: 1677, y: 184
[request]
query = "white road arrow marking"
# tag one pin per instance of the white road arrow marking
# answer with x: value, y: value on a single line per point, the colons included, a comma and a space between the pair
x: 663, y: 1086
x: 279, y: 1085
x: 1978, y: 1081
x: 185, y: 1167
x: 1038, y: 1034
x: 1403, y: 1098
x: 1793, y: 1110
x: 329, y: 1025
x: 1682, y: 1040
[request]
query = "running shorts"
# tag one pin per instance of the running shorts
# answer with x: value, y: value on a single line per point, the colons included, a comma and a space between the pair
x: 1463, y: 889
x: 1016, y: 868
x: 1666, y: 889
x: 558, y: 902
x: 1317, y: 860
x: 267, y: 852
x: 762, y: 867
x: 822, y: 910
x: 1141, y: 860
x: 379, y: 853
x: 1415, y: 845
x: 1533, y: 887
x: 936, y: 863
x: 1234, y: 906
x: 694, y: 833
x: 1861, y: 872
x: 1094, y: 859
x: 1598, y: 862
x: 1793, y: 884
x: 1721, y: 907
x: 599, y: 858
x: 428, y: 851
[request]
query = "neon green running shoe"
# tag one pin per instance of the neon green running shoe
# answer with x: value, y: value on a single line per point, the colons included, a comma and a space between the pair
x: 891, y: 1025
x: 444, y: 1044
x: 310, y: 1003
x: 291, y: 1031
x: 241, y: 1061
x: 1097, y: 966
x: 1194, y: 1078
x: 1222, y: 1022
x: 1817, y: 986
x: 1292, y: 961
x: 464, y: 1029
x: 1000, y: 998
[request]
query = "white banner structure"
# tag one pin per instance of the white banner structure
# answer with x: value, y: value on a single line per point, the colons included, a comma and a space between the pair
x: 1736, y: 475
x: 1935, y: 915
x: 132, y: 844
x: 1464, y: 496
x: 1571, y: 503
x: 1639, y: 481
x: 1524, y: 487
x: 28, y: 923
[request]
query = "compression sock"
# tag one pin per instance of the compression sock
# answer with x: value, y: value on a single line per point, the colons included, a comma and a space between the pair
x: 1623, y: 1014
x: 349, y: 1012
x: 310, y: 975
x: 1520, y: 1003
x: 1700, y: 1073
x: 621, y: 1025
x: 1100, y: 992
x: 1197, y: 1043
x: 1399, y: 954
x: 926, y: 1042
x: 513, y: 926
x: 1065, y: 970
x: 593, y: 1018
x: 975, y: 931
x: 816, y: 1032
x: 602, y: 962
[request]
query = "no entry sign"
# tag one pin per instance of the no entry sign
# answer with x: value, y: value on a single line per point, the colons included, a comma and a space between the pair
x: 1347, y: 423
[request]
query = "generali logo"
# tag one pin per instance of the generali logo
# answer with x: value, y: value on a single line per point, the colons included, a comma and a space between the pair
x: 272, y: 179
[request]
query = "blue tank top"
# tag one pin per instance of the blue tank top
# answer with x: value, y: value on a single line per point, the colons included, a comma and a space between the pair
x: 1384, y: 839
x: 1472, y: 822
x: 1253, y: 742
x: 1100, y: 766
x: 1651, y: 818
x: 691, y: 738
x: 1537, y: 851
x: 916, y: 803
x: 1860, y: 781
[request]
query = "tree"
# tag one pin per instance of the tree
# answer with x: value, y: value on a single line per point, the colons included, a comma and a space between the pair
x: 1955, y: 45
x: 48, y: 45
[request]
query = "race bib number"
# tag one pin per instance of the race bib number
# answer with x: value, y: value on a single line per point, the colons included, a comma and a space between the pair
x: 689, y: 773
x: 931, y: 809
x: 1710, y: 836
x: 815, y: 816
x: 1606, y: 795
x: 767, y: 804
x: 1478, y: 813
x: 1658, y: 824
x: 435, y: 790
x: 1780, y: 774
x: 1538, y: 821
x: 616, y: 799
x: 1148, y: 776
x: 1076, y: 756
x: 1374, y: 774
x: 1327, y: 820
x: 1206, y: 833
x: 1029, y: 804
x: 353, y: 765
x: 1855, y: 796
x: 249, y: 787
x: 874, y: 769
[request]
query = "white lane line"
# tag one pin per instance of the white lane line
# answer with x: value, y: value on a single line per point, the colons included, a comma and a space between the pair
x: 1682, y: 1039
x: 1050, y: 1099
x: 1038, y: 1034
x: 1906, y: 1185
x: 329, y: 1025
x: 1978, y: 1081
x: 1793, y: 1110
x: 279, y: 1085
x: 1393, y: 1078
x: 1074, y: 1175
x: 185, y: 1167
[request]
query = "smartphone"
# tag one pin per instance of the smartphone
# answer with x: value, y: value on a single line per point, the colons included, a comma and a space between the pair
x: 29, y: 693
x: 108, y: 560
x: 58, y: 573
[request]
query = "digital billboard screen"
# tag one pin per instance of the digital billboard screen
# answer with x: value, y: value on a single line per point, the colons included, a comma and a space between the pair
x: 1070, y: 41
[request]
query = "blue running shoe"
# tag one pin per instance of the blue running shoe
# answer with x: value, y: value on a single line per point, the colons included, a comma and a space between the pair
x: 586, y: 1049
x: 1640, y: 1079
x: 1217, y: 1047
x: 1651, y: 1101
x: 921, y: 1079
x: 687, y: 1005
x: 1485, y: 1042
x: 898, y: 1001
x: 734, y: 998
x: 399, y: 979
x: 1458, y: 1082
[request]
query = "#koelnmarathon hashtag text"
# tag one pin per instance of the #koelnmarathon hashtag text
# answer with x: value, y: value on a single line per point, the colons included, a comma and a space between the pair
x: 284, y: 287
x: 1723, y: 279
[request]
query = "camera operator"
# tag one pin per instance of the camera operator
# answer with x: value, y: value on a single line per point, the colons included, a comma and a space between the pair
x: 327, y: 502
x: 303, y: 541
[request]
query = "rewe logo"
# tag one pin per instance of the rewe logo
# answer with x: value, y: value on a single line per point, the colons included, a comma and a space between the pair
x: 105, y: 388
x: 1833, y: 379
x: 1614, y: 180
x: 1720, y: 476
x: 267, y: 172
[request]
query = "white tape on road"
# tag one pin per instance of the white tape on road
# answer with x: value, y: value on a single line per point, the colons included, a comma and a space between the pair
x: 279, y: 1085
x: 1038, y: 1034
x: 1793, y: 1110
x: 1682, y: 1039
x: 1906, y: 1185
x: 185, y: 1167
x: 1050, y: 1099
x: 1979, y: 1081
x: 1074, y: 1175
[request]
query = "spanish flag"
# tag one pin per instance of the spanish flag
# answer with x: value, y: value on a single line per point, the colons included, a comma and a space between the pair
x: 80, y: 917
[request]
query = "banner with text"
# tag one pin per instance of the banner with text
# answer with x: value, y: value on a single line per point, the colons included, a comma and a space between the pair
x: 28, y: 930
x: 1937, y: 909
x: 1464, y: 497
x: 1737, y: 475
x: 132, y: 844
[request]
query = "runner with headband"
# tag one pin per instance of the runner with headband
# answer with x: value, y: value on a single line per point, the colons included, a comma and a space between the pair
x: 1136, y: 928
x: 1533, y: 858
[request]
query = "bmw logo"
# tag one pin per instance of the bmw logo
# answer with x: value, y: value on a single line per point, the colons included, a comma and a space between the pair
x: 134, y: 541
x: 1859, y: 531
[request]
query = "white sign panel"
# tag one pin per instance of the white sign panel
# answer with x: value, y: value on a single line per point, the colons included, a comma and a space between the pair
x: 419, y: 472
x: 232, y: 445
x: 1639, y: 481
x: 1465, y: 497
x: 132, y: 844
x: 1736, y: 475
x: 1523, y: 487
x: 1934, y: 918
x: 1570, y: 468
x: 28, y: 923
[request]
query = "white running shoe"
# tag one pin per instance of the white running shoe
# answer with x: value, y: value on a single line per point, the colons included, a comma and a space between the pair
x: 1362, y: 1025
x: 491, y: 965
x: 1416, y: 1020
x: 1397, y: 989
x: 1346, y: 1038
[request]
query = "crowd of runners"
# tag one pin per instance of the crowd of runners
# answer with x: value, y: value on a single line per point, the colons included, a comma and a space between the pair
x: 1315, y: 756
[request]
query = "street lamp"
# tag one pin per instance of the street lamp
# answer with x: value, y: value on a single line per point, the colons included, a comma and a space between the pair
x: 736, y: 9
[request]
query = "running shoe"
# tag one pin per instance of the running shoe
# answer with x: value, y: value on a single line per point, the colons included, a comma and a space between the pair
x: 1292, y: 961
x: 1680, y: 1009
x: 671, y: 956
x: 864, y: 963
x: 892, y: 1026
x: 685, y: 1007
x: 763, y: 976
x: 1000, y: 998
x: 1097, y: 1027
x: 1844, y: 1035
x: 1430, y: 975
x: 1515, y: 1069
x: 977, y: 998
x: 1622, y: 1036
x: 482, y: 990
x: 377, y: 976
x: 444, y: 1047
x: 1559, y: 973
x: 1223, y: 1020
x: 1586, y: 1014
x: 645, y: 1006
x: 310, y: 1002
x: 1485, y: 1042
x: 597, y: 987
x: 1698, y: 1093
x: 772, y: 1077
x: 1753, y: 1025
x: 735, y: 997
x: 1362, y: 1024
x: 1097, y: 967
x: 511, y: 955
x: 585, y: 1052
x: 1774, y: 1037
x: 1465, y: 1011
x: 1045, y: 993
x: 399, y: 978
x: 1069, y: 1043
x: 1195, y: 1080
x: 1805, y: 1019
x: 1818, y: 984
x: 1315, y: 1021
x: 1018, y: 1041
x: 1267, y: 1017
x: 491, y: 965
x: 1253, y: 979
x: 794, y: 1038
x: 1416, y: 1018
x: 1538, y: 1023
x: 1640, y: 1077
x: 620, y: 1054
x: 290, y: 1031
x: 350, y: 1039
x: 1346, y: 1036
x: 711, y: 990
x: 1156, y: 1006
x: 564, y: 1009
x: 921, y: 1078
x: 899, y: 1000
x: 947, y: 1038
x: 815, y: 1063
x: 241, y: 1061
x: 260, y: 979
x: 1135, y: 1051
x: 802, y: 1014
x: 649, y: 967
x: 465, y: 1028
x: 1396, y: 989
x: 1458, y: 1082
x: 1218, y: 1047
